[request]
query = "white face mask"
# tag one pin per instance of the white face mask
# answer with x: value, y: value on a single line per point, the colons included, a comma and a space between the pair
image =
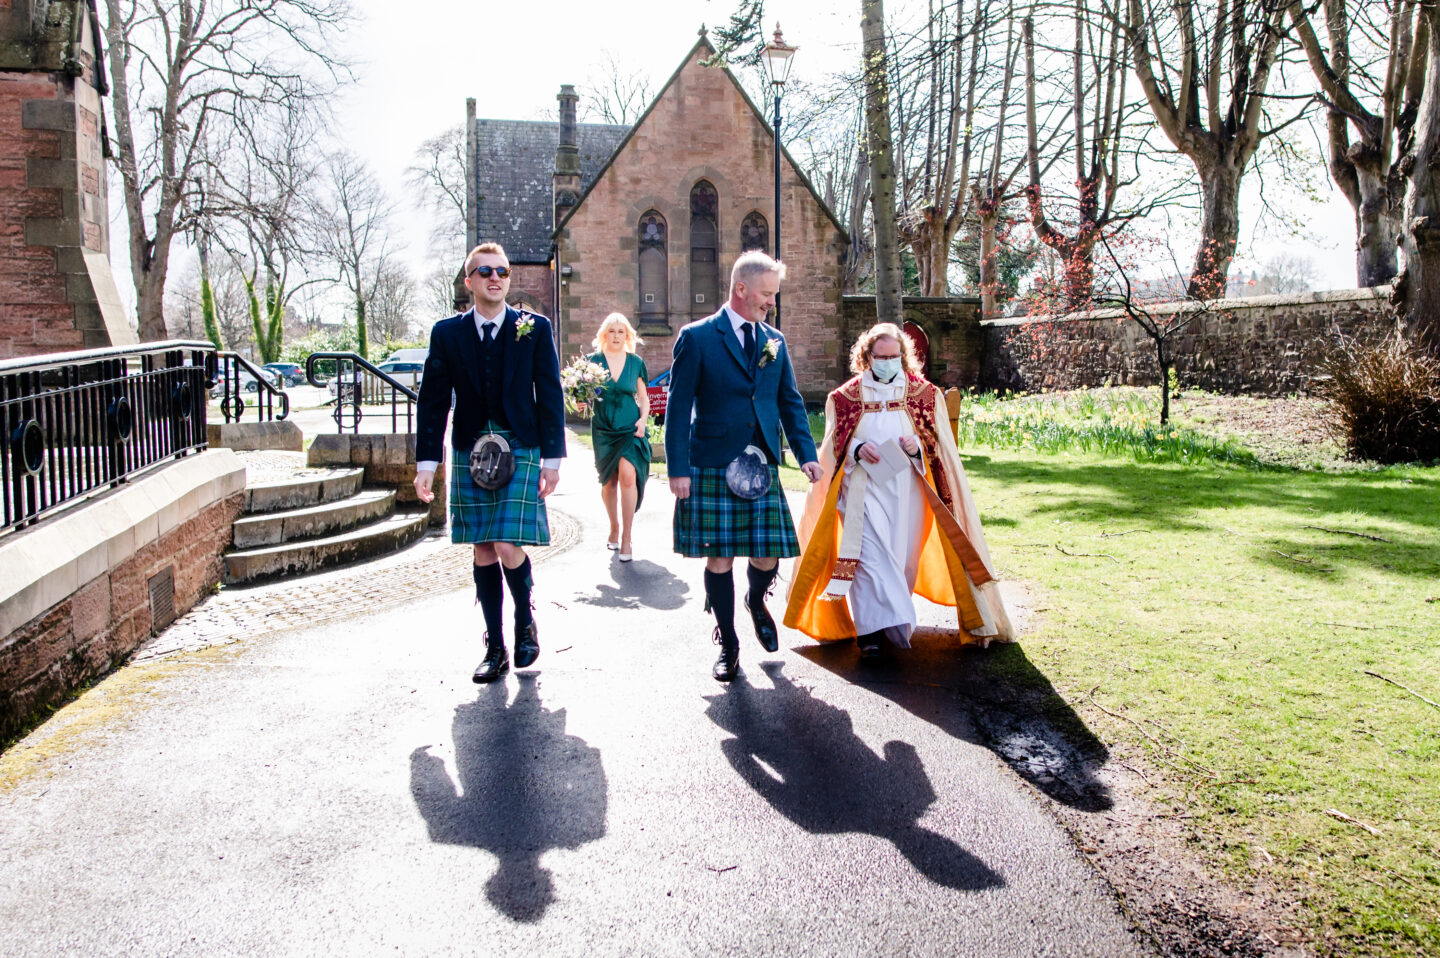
x: 885, y: 370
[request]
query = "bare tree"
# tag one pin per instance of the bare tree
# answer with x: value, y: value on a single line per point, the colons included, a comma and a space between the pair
x: 616, y: 95
x: 437, y: 178
x: 393, y: 303
x: 1287, y: 272
x: 182, y: 71
x: 356, y: 214
x: 1205, y: 67
x: 1373, y: 97
x: 889, y: 307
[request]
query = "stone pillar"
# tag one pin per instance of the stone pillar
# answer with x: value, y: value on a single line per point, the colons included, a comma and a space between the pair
x: 568, y: 186
x: 56, y: 289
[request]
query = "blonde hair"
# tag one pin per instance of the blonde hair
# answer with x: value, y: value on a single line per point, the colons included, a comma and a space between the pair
x: 865, y: 345
x: 752, y: 264
x: 617, y: 319
x: 495, y: 248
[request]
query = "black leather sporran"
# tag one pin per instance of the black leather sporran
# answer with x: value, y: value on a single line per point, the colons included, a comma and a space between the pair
x: 492, y: 462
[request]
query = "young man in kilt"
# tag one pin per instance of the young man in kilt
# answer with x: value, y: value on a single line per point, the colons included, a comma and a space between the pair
x: 502, y: 369
x: 732, y: 386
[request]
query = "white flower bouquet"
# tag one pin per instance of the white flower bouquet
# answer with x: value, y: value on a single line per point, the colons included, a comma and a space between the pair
x: 583, y: 383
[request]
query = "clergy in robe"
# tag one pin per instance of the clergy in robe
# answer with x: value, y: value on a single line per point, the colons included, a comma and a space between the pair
x: 892, y: 516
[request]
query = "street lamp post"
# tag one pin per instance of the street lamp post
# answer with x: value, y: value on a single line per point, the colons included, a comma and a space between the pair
x: 778, y: 57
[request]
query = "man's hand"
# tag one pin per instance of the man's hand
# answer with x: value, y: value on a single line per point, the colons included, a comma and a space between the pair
x: 867, y: 452
x: 680, y: 486
x: 910, y: 444
x: 423, y: 482
x: 549, y: 479
x: 812, y: 471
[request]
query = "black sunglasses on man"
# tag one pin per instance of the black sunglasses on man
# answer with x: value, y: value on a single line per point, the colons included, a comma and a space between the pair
x: 501, y: 271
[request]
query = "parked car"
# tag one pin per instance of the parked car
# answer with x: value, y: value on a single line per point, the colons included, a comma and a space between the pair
x: 658, y: 389
x: 289, y: 373
x: 404, y: 373
x: 248, y: 382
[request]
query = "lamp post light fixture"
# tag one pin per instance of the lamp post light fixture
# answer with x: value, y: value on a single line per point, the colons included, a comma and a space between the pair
x: 778, y: 56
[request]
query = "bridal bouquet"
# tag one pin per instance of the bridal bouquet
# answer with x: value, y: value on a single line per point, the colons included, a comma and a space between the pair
x: 583, y: 383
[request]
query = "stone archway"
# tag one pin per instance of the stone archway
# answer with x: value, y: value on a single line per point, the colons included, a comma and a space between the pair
x: 922, y: 344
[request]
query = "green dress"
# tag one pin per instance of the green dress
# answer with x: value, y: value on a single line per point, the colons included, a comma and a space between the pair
x: 612, y: 427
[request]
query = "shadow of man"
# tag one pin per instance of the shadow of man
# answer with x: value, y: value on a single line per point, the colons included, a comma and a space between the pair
x: 525, y: 787
x: 802, y: 755
x: 639, y: 584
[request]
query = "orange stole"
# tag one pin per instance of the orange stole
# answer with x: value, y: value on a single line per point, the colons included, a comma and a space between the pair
x: 947, y: 558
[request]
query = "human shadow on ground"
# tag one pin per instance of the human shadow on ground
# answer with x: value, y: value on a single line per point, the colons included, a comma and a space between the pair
x: 802, y: 755
x: 639, y: 584
x: 994, y: 698
x: 525, y: 787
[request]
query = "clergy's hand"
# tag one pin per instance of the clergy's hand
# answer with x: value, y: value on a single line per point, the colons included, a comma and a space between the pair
x: 680, y: 486
x: 868, y: 452
x: 812, y: 471
x: 910, y: 444
x: 549, y: 479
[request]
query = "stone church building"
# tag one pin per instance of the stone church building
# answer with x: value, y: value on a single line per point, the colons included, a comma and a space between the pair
x: 647, y: 220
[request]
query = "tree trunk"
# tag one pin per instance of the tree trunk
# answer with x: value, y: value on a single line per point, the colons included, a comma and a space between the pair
x: 362, y: 337
x: 989, y: 215
x: 1418, y: 291
x: 1376, y: 228
x: 1219, y: 227
x: 888, y: 275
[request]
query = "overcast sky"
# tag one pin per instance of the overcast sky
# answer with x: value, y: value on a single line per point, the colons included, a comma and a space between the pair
x: 416, y: 70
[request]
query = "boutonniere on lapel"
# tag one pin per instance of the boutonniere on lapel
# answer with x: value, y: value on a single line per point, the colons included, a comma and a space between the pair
x: 769, y: 353
x: 524, y: 326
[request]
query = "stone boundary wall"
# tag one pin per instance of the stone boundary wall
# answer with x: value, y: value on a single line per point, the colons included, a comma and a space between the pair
x: 1263, y: 346
x: 951, y: 323
x: 76, y: 588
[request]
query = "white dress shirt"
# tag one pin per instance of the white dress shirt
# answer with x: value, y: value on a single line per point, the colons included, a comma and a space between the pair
x: 482, y: 323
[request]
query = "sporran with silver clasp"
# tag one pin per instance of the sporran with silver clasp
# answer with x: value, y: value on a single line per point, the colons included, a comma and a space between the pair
x: 492, y: 462
x: 748, y: 474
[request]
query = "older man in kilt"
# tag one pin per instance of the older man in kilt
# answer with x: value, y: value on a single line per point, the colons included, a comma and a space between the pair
x: 731, y: 389
x: 501, y: 368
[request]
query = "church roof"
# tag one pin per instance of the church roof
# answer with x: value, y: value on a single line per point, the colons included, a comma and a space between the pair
x: 514, y: 166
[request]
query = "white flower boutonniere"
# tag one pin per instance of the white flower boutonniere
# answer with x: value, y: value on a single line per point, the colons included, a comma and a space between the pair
x: 769, y: 353
x: 524, y: 326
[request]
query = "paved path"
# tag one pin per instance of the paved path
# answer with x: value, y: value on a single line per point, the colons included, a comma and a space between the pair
x: 342, y: 788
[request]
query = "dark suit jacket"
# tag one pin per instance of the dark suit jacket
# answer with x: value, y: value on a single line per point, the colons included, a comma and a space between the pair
x: 717, y: 398
x: 530, y: 393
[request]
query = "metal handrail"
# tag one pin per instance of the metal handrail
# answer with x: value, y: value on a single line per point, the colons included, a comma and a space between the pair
x: 232, y: 404
x: 348, y: 370
x: 72, y: 424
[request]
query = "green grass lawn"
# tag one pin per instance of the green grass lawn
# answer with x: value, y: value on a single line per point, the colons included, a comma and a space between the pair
x: 1223, y: 618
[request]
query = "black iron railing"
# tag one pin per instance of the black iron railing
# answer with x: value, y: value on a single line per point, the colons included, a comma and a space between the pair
x: 357, y: 381
x: 75, y: 423
x: 239, y: 376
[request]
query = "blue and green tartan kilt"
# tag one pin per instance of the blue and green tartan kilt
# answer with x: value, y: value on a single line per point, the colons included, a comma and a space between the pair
x: 514, y: 514
x: 714, y: 521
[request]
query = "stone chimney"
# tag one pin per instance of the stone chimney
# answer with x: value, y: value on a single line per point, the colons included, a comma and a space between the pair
x: 567, y: 155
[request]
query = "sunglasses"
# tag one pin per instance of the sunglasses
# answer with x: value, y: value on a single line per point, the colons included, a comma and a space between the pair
x: 501, y: 271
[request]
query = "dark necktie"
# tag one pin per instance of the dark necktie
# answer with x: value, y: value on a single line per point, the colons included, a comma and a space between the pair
x: 750, y: 342
x: 489, y: 333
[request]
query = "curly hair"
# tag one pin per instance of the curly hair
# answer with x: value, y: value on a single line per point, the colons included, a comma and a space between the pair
x: 617, y: 319
x: 865, y: 345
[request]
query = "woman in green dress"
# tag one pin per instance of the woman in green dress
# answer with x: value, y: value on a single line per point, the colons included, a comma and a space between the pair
x: 618, y: 429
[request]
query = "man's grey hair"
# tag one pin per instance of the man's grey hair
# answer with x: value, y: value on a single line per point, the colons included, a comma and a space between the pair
x: 751, y: 265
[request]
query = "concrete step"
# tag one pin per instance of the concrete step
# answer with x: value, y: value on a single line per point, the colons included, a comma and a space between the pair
x: 390, y: 534
x: 275, y: 528
x: 314, y: 487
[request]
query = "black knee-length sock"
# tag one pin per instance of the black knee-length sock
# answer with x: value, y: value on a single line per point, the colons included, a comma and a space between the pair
x: 760, y: 581
x: 720, y: 594
x: 490, y: 590
x: 520, y: 583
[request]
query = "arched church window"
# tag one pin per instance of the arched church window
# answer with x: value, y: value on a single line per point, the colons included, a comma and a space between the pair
x: 754, y: 234
x: 704, y: 249
x: 654, y: 268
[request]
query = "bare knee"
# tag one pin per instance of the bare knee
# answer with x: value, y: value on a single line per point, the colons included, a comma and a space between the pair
x: 625, y: 475
x: 511, y: 555
x: 485, y: 553
x: 719, y: 564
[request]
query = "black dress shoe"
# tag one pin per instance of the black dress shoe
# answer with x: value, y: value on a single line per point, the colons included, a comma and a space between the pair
x: 728, y: 664
x: 870, y: 647
x: 765, y: 629
x: 527, y: 646
x: 495, y: 664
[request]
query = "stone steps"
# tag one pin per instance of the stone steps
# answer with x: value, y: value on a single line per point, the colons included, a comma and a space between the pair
x: 311, y: 488
x: 275, y: 528
x: 380, y: 537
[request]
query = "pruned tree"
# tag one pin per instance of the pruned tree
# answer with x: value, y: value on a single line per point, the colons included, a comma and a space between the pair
x: 1205, y: 67
x: 1371, y: 92
x: 889, y: 307
x: 183, y: 71
x: 356, y: 214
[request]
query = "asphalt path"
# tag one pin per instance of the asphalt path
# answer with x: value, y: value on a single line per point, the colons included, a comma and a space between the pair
x: 345, y: 789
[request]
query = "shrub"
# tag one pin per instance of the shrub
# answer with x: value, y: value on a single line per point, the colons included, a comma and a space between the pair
x: 1385, y: 396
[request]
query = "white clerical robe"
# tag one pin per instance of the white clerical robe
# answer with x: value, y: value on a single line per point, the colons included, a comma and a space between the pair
x: 895, y: 523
